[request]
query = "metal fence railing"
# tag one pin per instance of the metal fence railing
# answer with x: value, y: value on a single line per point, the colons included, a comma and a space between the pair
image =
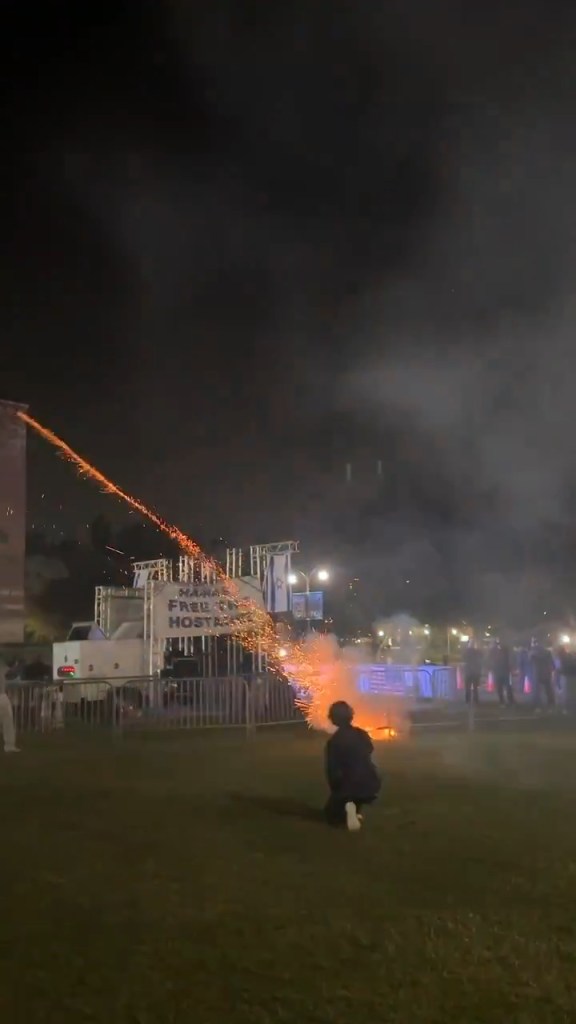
x: 43, y: 707
x: 272, y: 701
x: 445, y: 683
x: 184, y: 703
x: 416, y: 683
x: 433, y: 698
x: 148, y: 702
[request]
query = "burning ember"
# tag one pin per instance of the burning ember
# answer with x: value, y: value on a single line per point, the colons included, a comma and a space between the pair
x: 384, y: 732
x: 332, y: 675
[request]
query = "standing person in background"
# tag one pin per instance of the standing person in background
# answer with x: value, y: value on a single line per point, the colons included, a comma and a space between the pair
x: 566, y: 679
x: 562, y: 662
x: 542, y: 669
x: 523, y: 669
x: 472, y: 672
x: 6, y: 716
x: 500, y: 665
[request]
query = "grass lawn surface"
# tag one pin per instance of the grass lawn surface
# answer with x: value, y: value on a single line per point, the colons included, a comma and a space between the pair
x: 187, y: 878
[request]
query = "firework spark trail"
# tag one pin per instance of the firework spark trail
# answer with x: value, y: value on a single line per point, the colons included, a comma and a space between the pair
x: 257, y: 628
x: 315, y: 667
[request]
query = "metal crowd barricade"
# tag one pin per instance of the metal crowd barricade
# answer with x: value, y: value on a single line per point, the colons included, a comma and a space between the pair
x: 153, y: 703
x: 33, y: 705
x: 197, y: 703
x: 272, y: 701
x: 45, y: 706
x: 407, y: 681
x: 445, y: 683
x: 232, y: 701
x: 239, y: 701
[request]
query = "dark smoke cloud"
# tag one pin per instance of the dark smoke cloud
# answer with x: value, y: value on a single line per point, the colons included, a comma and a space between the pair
x: 488, y: 380
x: 481, y: 371
x: 294, y: 236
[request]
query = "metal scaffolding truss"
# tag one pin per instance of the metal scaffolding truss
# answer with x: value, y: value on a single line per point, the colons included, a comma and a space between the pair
x: 155, y: 569
x: 253, y: 561
x: 106, y: 598
x: 214, y: 655
x: 195, y: 570
x: 107, y: 601
x: 101, y: 609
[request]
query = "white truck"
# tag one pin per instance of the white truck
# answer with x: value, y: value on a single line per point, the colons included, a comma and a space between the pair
x: 88, y: 654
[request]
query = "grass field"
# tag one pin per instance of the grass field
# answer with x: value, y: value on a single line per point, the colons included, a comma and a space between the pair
x: 173, y: 879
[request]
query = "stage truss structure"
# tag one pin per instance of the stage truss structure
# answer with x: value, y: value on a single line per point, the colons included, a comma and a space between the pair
x: 207, y: 655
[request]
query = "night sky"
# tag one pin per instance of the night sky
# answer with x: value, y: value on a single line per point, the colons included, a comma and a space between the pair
x: 246, y: 244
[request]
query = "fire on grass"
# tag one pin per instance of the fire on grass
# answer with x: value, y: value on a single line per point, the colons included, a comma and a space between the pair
x: 324, y: 673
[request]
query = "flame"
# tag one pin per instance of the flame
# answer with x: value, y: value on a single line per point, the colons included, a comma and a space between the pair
x: 384, y: 732
x: 325, y: 673
x: 315, y: 667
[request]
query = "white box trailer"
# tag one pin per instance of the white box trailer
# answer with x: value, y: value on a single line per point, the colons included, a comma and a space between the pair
x: 88, y: 654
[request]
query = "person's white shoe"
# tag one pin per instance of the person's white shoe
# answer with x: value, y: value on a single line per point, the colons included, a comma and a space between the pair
x: 11, y: 750
x: 353, y: 822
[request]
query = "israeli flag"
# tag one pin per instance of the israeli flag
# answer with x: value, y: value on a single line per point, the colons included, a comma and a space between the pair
x: 276, y: 584
x: 140, y: 578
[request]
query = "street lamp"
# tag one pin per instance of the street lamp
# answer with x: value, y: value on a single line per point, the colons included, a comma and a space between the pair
x: 449, y: 634
x: 321, y: 574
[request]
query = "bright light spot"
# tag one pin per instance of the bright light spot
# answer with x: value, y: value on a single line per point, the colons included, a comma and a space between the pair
x: 282, y: 652
x: 454, y: 632
x: 380, y: 632
x: 323, y: 575
x: 426, y: 630
x: 384, y: 732
x: 292, y: 579
x: 464, y: 638
x: 564, y: 639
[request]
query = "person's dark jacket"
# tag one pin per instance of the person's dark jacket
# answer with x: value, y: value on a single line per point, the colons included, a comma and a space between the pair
x: 473, y: 663
x: 349, y: 767
x: 36, y: 672
x: 567, y: 664
x: 542, y: 665
x: 500, y: 662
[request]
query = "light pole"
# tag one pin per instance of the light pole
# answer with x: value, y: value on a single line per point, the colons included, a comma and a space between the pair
x: 450, y: 633
x: 321, y: 574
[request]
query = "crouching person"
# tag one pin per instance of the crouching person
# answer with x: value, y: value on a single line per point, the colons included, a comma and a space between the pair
x: 352, y: 776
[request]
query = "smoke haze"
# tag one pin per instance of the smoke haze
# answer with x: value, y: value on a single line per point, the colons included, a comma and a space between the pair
x: 286, y: 241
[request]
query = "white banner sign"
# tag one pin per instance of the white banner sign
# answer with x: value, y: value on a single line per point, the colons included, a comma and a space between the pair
x: 200, y: 609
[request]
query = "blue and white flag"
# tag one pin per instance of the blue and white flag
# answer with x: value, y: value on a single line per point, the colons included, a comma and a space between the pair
x: 141, y: 577
x: 276, y: 584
